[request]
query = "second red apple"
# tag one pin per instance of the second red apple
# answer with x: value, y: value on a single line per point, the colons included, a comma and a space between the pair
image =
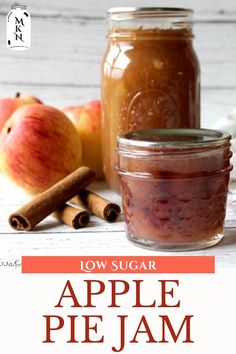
x: 87, y: 120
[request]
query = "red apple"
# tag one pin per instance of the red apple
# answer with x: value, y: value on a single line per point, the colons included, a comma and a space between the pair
x: 87, y: 120
x: 10, y: 105
x: 39, y: 146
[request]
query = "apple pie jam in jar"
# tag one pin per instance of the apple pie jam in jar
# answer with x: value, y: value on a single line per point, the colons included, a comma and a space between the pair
x: 150, y: 76
x: 174, y: 185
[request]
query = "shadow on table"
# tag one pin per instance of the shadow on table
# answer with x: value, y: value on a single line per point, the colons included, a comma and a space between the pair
x: 47, y: 226
x: 229, y: 238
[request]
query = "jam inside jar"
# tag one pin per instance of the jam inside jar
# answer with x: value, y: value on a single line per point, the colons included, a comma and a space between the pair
x: 174, y: 185
x: 150, y: 76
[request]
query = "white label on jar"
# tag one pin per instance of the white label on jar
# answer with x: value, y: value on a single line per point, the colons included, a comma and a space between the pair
x: 18, y: 28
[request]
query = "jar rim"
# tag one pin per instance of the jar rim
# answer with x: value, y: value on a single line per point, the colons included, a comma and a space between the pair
x: 18, y: 6
x: 173, y: 138
x: 117, y: 10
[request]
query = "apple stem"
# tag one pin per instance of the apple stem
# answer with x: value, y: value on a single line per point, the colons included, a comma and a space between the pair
x: 17, y: 94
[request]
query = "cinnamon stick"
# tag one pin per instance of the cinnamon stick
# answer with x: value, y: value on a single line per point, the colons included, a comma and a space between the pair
x: 97, y: 205
x: 47, y: 202
x: 73, y: 217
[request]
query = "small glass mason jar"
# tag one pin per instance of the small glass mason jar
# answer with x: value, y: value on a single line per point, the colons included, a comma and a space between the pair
x: 174, y: 185
x: 150, y: 76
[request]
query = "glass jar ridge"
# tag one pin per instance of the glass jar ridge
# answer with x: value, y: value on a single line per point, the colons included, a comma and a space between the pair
x: 165, y: 17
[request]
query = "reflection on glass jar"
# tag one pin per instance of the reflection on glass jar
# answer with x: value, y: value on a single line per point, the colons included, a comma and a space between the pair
x: 150, y: 76
x: 174, y: 186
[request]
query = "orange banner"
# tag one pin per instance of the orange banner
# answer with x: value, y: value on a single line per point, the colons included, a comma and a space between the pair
x: 118, y: 264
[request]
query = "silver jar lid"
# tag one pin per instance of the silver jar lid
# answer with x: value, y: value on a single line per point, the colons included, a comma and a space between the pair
x: 149, y: 10
x: 173, y: 138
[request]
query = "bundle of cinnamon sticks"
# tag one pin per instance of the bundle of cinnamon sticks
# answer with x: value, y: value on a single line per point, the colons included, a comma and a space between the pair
x: 72, y: 190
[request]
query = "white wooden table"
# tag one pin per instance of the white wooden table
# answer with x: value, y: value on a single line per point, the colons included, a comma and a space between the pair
x: 99, y: 238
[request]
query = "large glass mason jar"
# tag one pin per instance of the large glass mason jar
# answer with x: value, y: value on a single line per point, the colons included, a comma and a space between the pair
x: 150, y: 76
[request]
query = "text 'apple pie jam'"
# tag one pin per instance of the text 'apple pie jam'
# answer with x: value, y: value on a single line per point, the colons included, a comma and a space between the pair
x: 150, y: 76
x: 174, y: 186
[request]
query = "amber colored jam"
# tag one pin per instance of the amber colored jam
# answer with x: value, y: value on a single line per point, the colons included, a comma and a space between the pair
x: 174, y: 197
x: 150, y: 79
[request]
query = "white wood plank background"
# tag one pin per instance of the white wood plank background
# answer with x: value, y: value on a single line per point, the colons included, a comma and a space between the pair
x: 63, y: 67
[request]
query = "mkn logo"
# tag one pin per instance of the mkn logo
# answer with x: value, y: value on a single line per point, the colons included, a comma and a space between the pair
x: 18, y: 31
x: 18, y: 28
